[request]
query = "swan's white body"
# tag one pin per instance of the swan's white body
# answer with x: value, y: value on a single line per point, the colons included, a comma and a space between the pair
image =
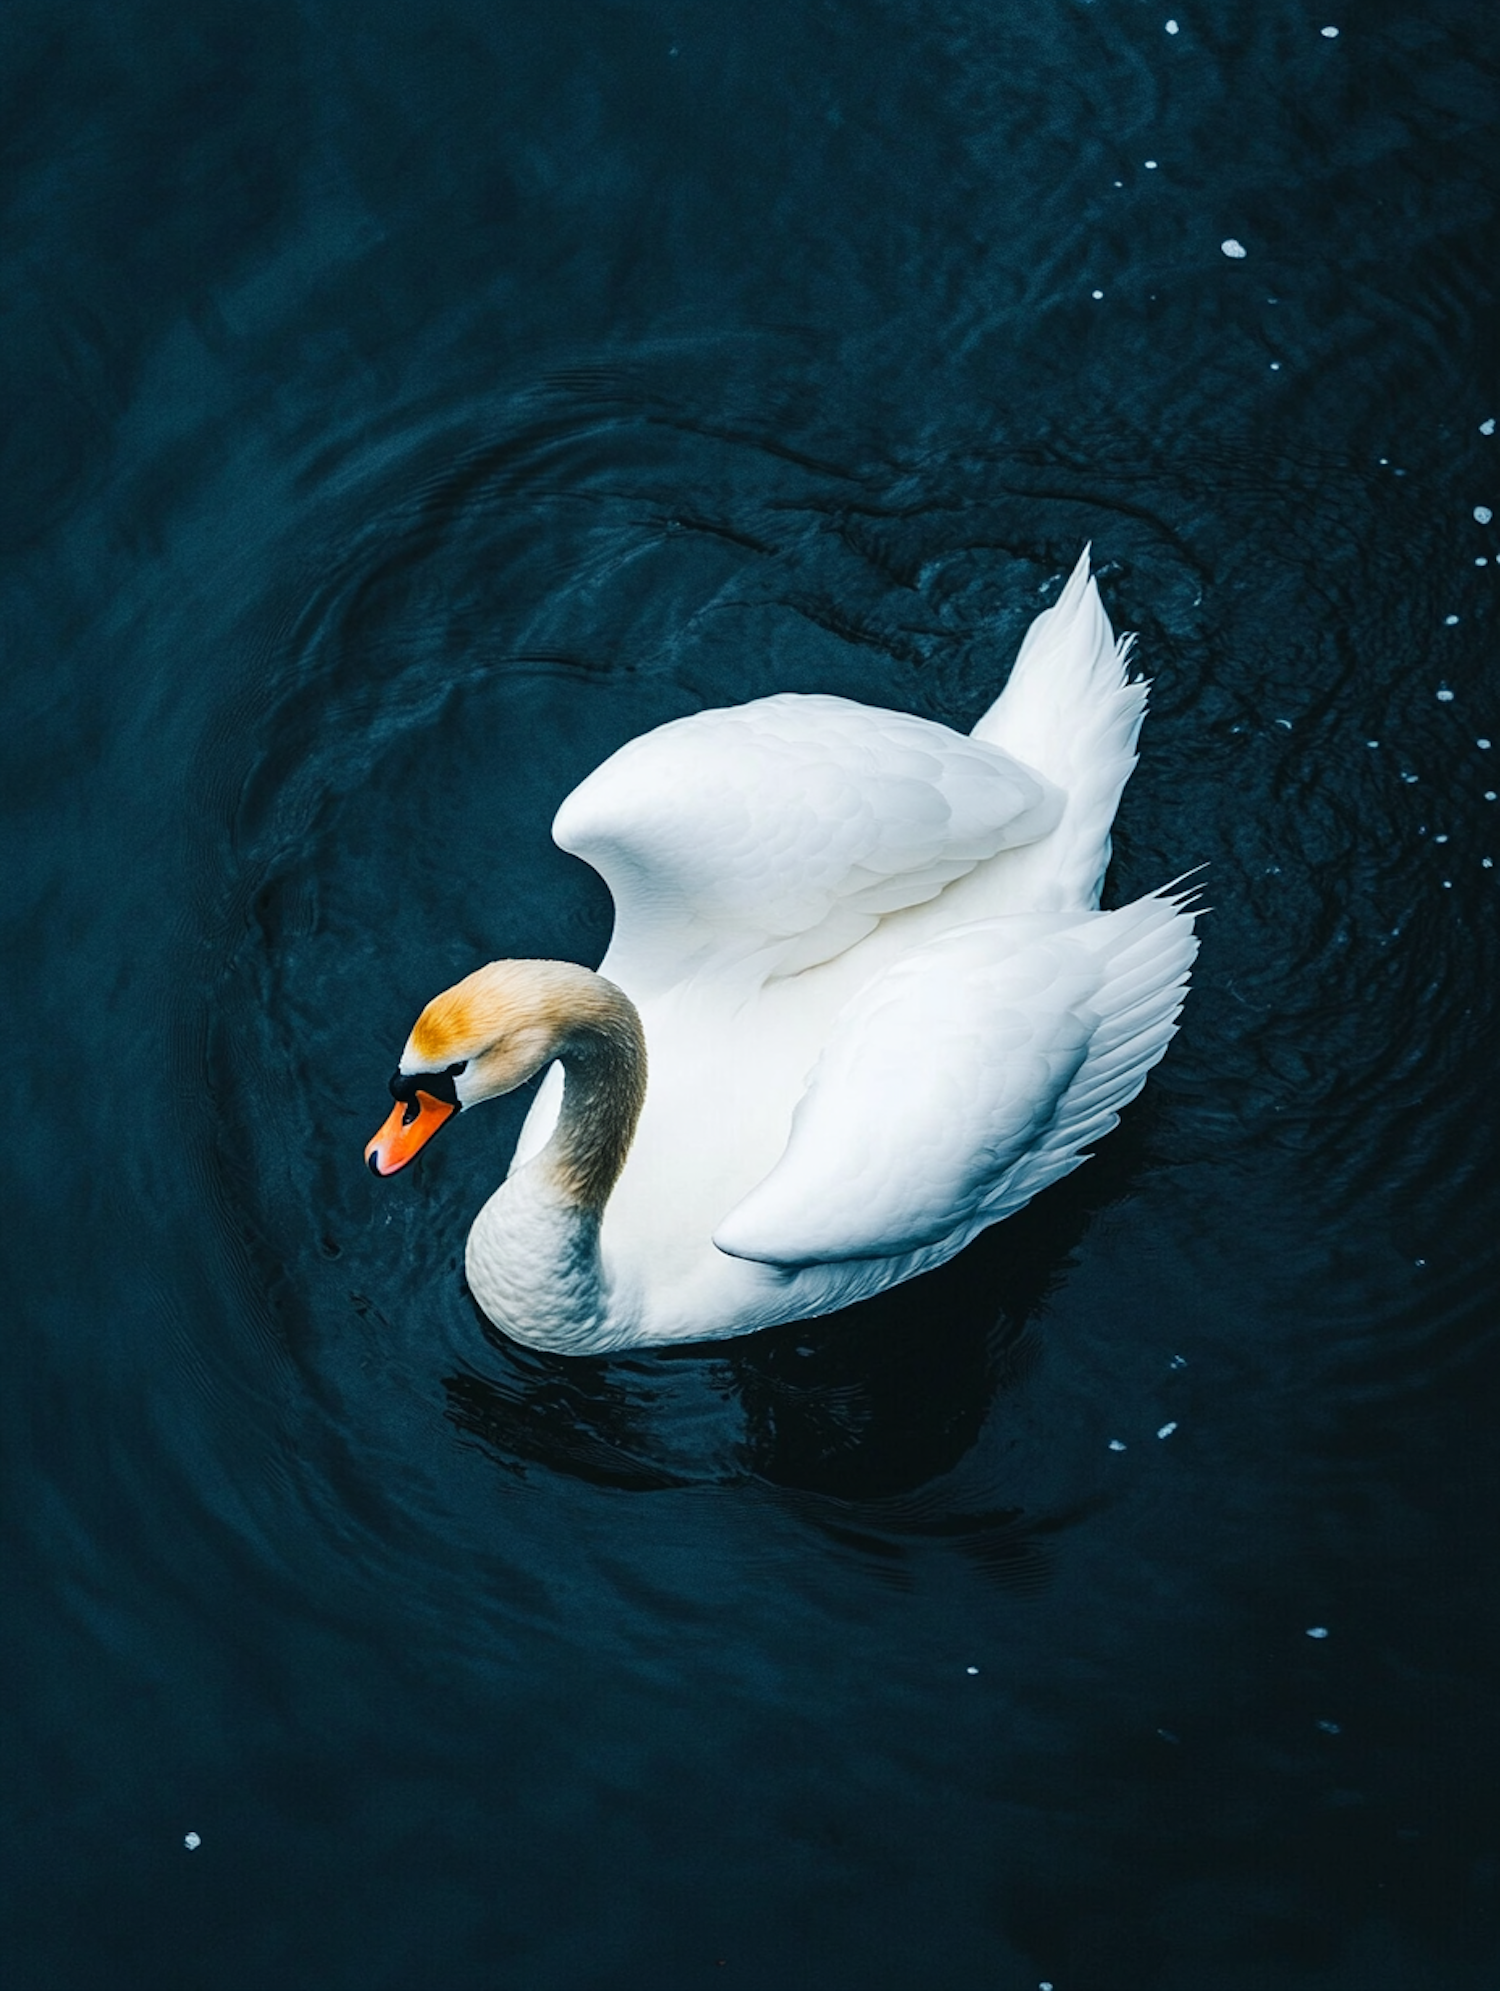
x: 881, y: 1007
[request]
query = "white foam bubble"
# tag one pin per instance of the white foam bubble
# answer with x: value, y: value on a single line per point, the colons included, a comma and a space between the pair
x: 1168, y: 1428
x: 1449, y: 620
x: 191, y: 1841
x: 1317, y: 1631
x: 1329, y: 34
x: 1117, y: 1444
x: 1096, y: 293
x: 1171, y: 27
x: 1151, y: 168
x: 1487, y: 428
x: 1483, y: 514
x: 1445, y: 696
x: 1236, y: 251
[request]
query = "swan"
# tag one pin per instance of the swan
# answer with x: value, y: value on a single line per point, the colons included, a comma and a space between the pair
x: 859, y: 1003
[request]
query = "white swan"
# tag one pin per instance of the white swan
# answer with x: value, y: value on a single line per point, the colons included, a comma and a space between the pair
x: 863, y: 958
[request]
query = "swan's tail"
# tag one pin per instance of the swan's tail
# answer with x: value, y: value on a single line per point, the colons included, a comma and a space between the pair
x: 1070, y: 711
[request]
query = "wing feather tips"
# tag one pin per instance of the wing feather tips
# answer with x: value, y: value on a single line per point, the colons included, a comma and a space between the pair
x: 793, y: 1218
x: 738, y: 1237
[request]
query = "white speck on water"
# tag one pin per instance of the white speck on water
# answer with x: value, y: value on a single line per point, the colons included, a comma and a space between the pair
x: 1447, y: 884
x: 1285, y: 722
x: 1419, y: 1261
x: 1487, y: 428
x: 1383, y: 459
x: 1167, y: 1429
x: 1234, y: 250
x: 191, y: 1841
x: 971, y: 1669
x: 1482, y: 743
x: 1408, y: 779
x: 1276, y: 366
x: 1317, y: 1631
x: 1119, y: 183
x: 1482, y: 561
x: 1489, y: 794
x: 1372, y: 743
x: 1445, y: 696
x: 1151, y: 168
x: 1483, y: 514
x: 1440, y: 839
x: 1045, y: 1985
x: 1171, y: 27
x: 1167, y: 1735
x: 1329, y: 34
x: 1117, y: 1444
x: 1486, y: 863
x: 1178, y: 1362
x: 1096, y: 293
x: 1330, y: 1727
x: 1449, y: 620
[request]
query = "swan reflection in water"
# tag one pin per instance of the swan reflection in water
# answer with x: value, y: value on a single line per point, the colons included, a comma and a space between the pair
x: 867, y: 1421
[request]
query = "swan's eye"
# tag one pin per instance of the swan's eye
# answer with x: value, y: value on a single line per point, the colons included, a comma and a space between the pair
x: 461, y: 1066
x: 438, y: 1085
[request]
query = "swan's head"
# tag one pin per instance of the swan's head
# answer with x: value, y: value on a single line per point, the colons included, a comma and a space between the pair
x: 486, y: 1035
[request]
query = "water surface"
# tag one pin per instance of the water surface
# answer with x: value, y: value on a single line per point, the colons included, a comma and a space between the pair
x: 404, y: 410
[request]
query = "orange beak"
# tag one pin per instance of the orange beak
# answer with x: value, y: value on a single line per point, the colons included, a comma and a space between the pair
x: 411, y: 1126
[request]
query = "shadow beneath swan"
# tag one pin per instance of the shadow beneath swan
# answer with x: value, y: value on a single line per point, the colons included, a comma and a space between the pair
x: 862, y: 1421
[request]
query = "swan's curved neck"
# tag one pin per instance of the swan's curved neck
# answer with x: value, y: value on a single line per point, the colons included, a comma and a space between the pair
x: 533, y: 1258
x: 603, y: 1056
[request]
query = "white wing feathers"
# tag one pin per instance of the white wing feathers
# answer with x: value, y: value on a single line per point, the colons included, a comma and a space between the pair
x: 966, y: 1078
x: 1069, y: 709
x: 781, y: 831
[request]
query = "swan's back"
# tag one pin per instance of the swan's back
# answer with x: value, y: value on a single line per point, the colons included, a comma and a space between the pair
x: 882, y: 1007
x: 775, y: 835
x: 764, y: 839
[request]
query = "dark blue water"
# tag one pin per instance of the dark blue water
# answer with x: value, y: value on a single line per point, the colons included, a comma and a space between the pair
x: 403, y: 407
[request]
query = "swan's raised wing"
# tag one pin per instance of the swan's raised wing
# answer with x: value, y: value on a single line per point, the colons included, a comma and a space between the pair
x: 965, y: 1079
x: 781, y: 831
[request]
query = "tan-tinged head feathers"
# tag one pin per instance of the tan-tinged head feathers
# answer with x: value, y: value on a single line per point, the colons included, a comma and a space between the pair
x: 501, y: 1025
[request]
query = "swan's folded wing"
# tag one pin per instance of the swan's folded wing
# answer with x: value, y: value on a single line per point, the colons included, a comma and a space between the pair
x: 781, y: 831
x: 967, y: 1078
